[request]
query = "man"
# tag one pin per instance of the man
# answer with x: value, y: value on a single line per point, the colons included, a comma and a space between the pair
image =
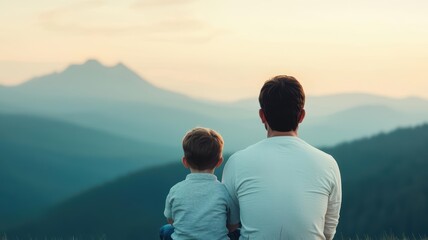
x: 284, y: 187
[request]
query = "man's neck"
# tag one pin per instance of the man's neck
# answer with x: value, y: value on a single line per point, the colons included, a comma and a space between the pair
x: 273, y: 133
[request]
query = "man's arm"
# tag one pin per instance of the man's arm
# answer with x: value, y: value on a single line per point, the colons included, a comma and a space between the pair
x: 233, y: 218
x: 228, y: 179
x: 170, y: 220
x: 334, y: 203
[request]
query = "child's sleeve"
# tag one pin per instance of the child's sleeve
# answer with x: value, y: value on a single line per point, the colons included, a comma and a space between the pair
x: 167, y: 212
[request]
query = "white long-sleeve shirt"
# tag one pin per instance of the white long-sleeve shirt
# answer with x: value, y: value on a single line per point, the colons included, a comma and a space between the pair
x: 285, y: 189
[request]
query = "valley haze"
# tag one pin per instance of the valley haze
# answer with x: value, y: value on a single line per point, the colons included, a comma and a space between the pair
x: 117, y: 100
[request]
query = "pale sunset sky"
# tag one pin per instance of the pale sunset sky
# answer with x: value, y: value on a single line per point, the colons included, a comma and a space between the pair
x: 225, y: 50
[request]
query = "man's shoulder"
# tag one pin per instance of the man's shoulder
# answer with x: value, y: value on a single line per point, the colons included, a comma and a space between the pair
x: 264, y: 147
x: 318, y: 152
x: 321, y: 152
x: 250, y: 150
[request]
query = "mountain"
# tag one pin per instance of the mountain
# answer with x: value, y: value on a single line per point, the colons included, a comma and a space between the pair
x: 44, y: 161
x: 115, y: 99
x: 385, y: 190
x: 92, y: 79
x: 94, y: 83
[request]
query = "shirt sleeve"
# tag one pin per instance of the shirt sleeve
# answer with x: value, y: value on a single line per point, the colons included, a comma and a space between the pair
x: 334, y: 203
x: 167, y: 212
x: 232, y: 211
x: 228, y: 179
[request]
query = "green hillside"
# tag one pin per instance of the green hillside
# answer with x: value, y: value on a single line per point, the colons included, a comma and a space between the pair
x: 44, y: 161
x: 385, y: 183
x: 385, y: 190
x: 129, y: 208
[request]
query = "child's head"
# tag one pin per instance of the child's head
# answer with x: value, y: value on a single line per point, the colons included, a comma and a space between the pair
x: 203, y: 148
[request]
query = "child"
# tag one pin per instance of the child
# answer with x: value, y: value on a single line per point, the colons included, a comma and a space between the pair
x: 200, y: 207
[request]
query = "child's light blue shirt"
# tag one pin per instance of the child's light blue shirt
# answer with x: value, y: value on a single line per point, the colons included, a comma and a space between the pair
x: 200, y: 207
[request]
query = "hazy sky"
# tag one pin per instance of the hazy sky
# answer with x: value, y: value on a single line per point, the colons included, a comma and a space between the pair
x: 222, y: 49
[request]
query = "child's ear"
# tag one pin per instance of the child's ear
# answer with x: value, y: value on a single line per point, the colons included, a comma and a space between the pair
x: 184, y: 161
x: 220, y: 161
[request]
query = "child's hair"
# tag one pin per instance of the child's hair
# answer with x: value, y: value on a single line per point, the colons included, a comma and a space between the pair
x: 202, y: 148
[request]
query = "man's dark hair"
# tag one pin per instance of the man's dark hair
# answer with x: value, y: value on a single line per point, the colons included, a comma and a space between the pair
x: 282, y: 100
x: 202, y: 148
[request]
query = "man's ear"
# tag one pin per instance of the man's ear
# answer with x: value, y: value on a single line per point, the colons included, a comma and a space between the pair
x: 184, y: 161
x: 220, y: 161
x: 262, y: 116
x: 302, y: 115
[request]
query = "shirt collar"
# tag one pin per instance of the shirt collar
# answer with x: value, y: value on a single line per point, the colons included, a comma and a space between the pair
x: 283, y: 138
x: 201, y: 176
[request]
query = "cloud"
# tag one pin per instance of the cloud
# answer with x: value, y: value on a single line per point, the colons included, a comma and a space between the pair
x: 51, y: 19
x: 182, y: 30
x: 69, y: 20
x: 75, y: 7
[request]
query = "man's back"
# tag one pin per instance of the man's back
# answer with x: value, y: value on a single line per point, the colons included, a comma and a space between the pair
x: 286, y: 189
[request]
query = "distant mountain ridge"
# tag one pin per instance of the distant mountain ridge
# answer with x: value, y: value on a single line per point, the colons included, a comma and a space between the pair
x: 115, y: 99
x: 384, y: 191
x: 329, y: 104
x: 93, y: 80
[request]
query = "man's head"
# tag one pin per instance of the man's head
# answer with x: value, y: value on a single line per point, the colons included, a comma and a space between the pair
x: 281, y: 101
x: 202, y: 149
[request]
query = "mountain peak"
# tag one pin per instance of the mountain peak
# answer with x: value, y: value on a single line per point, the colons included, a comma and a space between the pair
x: 97, y: 65
x: 94, y: 62
x: 120, y: 65
x: 93, y: 79
x: 90, y: 64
